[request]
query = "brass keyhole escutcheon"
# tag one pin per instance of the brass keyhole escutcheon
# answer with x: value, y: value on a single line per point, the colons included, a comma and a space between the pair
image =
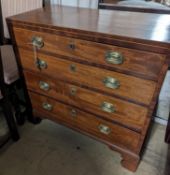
x: 73, y: 113
x: 73, y: 91
x: 72, y: 46
x: 73, y: 68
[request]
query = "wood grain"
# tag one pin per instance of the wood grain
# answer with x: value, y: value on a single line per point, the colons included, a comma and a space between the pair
x: 86, y: 122
x: 102, y: 22
x: 127, y: 114
x: 93, y: 32
x: 136, y: 62
x: 130, y: 87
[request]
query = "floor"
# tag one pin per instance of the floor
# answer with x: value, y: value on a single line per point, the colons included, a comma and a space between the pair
x: 50, y: 149
x: 164, y: 99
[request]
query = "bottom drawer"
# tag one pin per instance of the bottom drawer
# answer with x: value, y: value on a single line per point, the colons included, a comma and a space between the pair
x: 106, y: 131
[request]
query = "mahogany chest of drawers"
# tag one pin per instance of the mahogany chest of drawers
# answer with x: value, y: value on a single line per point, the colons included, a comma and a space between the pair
x: 97, y: 72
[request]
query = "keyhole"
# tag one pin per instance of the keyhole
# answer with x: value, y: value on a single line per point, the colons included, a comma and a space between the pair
x: 73, y: 91
x: 73, y: 113
x: 73, y: 68
x: 72, y: 46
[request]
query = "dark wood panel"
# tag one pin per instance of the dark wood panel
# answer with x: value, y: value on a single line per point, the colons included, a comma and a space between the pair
x: 130, y: 87
x: 134, y: 62
x: 125, y: 138
x: 127, y: 114
x: 110, y: 6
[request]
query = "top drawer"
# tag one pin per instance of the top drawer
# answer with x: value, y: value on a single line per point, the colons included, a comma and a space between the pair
x: 129, y: 60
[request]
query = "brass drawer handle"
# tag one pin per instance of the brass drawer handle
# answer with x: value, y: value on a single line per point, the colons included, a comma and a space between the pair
x: 73, y: 113
x: 104, y: 129
x: 37, y: 42
x: 41, y: 64
x: 73, y: 91
x: 112, y: 83
x: 114, y: 57
x: 44, y: 86
x: 47, y: 106
x: 108, y: 107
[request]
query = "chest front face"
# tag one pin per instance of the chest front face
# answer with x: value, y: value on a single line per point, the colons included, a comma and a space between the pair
x: 99, y: 87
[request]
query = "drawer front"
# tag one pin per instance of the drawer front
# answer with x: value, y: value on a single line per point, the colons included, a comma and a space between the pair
x: 85, y: 122
x: 129, y: 87
x: 128, y: 114
x: 130, y: 60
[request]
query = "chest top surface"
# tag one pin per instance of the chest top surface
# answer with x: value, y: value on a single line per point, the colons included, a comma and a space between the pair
x: 131, y: 25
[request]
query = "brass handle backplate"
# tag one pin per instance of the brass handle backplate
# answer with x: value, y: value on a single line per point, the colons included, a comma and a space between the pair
x: 37, y: 42
x: 44, y: 86
x: 108, y: 107
x: 114, y: 57
x: 104, y: 129
x: 41, y: 64
x: 47, y: 106
x: 111, y: 82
